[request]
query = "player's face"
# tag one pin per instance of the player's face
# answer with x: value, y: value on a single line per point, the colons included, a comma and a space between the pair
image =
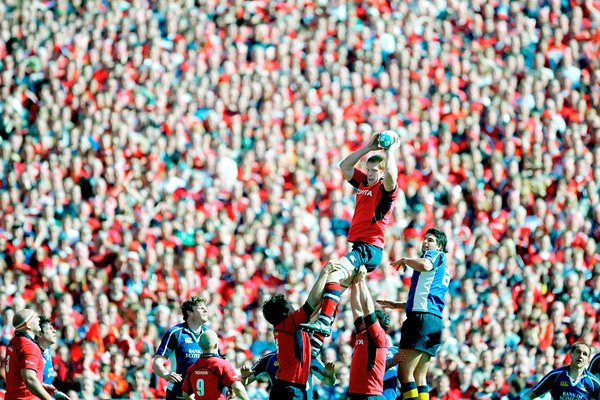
x: 580, y: 357
x: 49, y: 334
x: 200, y: 313
x: 374, y: 173
x: 34, y: 325
x: 429, y: 243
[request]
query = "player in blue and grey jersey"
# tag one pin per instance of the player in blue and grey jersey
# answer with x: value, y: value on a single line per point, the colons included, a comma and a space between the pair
x: 594, y: 367
x: 268, y: 365
x: 422, y: 329
x: 180, y: 345
x: 569, y: 382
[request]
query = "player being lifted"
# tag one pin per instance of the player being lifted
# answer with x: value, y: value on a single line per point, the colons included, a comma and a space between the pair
x: 376, y: 191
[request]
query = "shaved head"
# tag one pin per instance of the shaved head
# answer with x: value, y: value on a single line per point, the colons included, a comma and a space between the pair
x: 208, y: 341
x: 23, y: 318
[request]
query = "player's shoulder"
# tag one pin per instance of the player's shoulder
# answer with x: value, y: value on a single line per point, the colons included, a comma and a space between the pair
x: 23, y: 343
x: 176, y: 328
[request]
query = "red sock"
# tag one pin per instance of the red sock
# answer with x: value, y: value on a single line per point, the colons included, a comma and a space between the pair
x: 331, y: 298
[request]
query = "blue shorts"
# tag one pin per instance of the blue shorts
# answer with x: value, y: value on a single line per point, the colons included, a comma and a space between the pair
x: 283, y: 390
x: 422, y: 332
x: 365, y: 254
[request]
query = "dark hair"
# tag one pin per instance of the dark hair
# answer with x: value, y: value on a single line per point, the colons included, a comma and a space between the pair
x: 440, y: 237
x: 377, y: 159
x: 44, y: 322
x: 275, y: 309
x: 384, y: 319
x: 188, y: 306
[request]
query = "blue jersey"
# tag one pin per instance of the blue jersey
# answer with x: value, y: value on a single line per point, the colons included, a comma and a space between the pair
x: 49, y: 373
x: 561, y: 386
x: 268, y: 365
x: 594, y: 367
x: 180, y: 345
x: 428, y: 289
x: 390, y: 378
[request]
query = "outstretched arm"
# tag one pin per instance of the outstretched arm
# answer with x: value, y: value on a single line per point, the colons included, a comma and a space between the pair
x: 348, y: 163
x: 391, y: 304
x: 418, y: 264
x: 390, y: 174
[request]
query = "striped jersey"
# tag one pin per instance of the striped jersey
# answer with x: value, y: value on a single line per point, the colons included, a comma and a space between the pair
x: 561, y: 386
x: 594, y: 367
x: 428, y: 289
x: 181, y: 346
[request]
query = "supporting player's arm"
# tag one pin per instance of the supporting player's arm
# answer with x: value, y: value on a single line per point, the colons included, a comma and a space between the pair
x: 239, y: 390
x: 357, y: 310
x: 34, y: 385
x: 390, y: 173
x: 366, y: 301
x: 348, y: 163
x: 316, y: 293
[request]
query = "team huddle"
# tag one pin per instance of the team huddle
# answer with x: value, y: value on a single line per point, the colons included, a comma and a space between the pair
x: 378, y: 369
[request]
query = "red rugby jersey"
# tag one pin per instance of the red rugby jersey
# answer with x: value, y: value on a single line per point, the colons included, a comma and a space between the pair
x: 374, y: 206
x: 208, y: 376
x: 293, y: 347
x: 22, y: 352
x: 368, y: 361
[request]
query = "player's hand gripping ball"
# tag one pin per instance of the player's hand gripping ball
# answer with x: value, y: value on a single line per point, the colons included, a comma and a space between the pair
x: 387, y: 138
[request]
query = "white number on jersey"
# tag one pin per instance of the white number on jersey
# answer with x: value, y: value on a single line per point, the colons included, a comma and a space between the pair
x: 200, y: 387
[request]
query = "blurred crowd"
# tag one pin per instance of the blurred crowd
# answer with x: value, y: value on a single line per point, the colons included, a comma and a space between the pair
x: 151, y: 150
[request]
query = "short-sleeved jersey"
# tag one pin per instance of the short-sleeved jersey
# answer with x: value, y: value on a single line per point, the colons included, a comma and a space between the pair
x: 428, y: 289
x: 49, y: 372
x: 368, y: 360
x: 561, y: 386
x: 594, y: 367
x: 180, y: 345
x: 373, y: 211
x: 22, y: 353
x: 293, y: 347
x: 390, y: 378
x: 268, y: 365
x: 208, y: 377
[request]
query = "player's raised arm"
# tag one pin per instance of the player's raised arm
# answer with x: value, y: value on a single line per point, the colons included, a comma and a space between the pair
x: 390, y: 174
x: 348, y: 163
x: 357, y: 310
